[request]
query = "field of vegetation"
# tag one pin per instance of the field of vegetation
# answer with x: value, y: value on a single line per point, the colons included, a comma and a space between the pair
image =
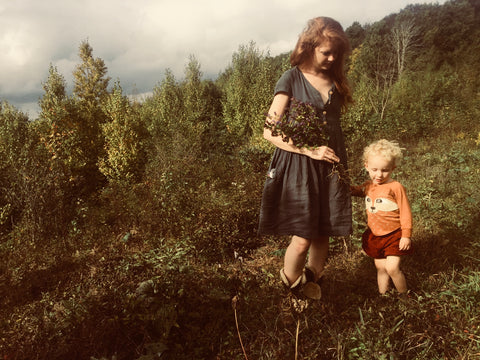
x: 128, y: 229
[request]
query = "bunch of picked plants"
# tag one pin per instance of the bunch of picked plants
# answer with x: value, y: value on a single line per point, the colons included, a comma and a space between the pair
x: 305, y: 127
x: 301, y: 124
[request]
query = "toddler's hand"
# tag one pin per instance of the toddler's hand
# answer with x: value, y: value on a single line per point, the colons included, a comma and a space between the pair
x: 405, y: 244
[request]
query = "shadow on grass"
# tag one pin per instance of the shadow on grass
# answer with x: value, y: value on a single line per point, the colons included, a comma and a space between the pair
x: 29, y: 286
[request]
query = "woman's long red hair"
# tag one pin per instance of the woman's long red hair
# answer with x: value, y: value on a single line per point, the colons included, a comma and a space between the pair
x: 320, y: 30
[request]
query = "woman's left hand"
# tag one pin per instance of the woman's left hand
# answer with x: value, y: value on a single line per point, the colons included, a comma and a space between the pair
x: 324, y: 153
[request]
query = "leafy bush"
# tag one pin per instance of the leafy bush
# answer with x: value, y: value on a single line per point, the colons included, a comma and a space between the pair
x: 226, y: 222
x: 443, y: 180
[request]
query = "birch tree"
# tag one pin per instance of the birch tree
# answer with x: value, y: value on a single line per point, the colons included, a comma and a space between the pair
x: 403, y: 37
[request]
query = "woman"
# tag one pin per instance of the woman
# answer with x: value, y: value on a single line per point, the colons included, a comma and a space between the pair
x: 302, y: 196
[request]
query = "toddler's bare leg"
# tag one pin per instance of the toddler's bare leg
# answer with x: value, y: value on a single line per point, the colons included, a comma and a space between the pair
x: 392, y: 267
x: 383, y: 279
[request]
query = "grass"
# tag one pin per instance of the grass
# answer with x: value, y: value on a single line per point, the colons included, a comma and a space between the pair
x: 142, y: 298
x: 91, y: 306
x: 439, y: 320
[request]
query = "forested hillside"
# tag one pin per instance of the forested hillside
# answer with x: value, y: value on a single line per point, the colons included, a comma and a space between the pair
x: 127, y: 228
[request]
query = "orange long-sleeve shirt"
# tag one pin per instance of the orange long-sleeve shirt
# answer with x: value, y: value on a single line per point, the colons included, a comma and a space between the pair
x: 387, y: 207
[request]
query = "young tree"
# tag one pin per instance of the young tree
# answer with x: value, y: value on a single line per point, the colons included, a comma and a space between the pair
x: 356, y: 34
x: 162, y: 110
x: 59, y: 138
x: 90, y: 78
x: 90, y: 91
x: 62, y: 133
x: 192, y: 91
x: 240, y: 109
x: 192, y: 124
x: 203, y: 118
x: 124, y: 158
x: 214, y: 138
x: 14, y: 137
x: 28, y: 197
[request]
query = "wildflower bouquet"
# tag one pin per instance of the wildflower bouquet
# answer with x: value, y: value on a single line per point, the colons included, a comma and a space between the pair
x: 301, y: 124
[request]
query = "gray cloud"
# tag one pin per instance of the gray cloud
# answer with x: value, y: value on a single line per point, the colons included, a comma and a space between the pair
x: 139, y: 40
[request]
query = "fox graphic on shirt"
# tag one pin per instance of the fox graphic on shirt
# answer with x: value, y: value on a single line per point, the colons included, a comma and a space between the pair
x: 387, y: 207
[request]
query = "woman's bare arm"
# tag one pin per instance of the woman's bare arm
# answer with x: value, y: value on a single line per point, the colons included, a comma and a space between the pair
x: 276, y: 111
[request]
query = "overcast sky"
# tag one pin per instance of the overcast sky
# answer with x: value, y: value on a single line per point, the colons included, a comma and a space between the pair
x: 140, y: 39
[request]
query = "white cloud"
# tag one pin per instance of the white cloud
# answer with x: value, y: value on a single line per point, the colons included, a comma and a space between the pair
x: 139, y: 40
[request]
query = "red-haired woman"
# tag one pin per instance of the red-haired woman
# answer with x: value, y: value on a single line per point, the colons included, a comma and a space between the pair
x: 303, y: 197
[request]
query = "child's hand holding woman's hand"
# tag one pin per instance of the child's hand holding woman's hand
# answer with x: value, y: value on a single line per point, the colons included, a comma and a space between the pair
x: 405, y: 243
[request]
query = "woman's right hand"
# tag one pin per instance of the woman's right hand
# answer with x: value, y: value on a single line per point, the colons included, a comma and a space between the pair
x: 324, y: 153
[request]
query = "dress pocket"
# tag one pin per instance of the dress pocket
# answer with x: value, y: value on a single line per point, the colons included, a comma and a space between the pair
x: 277, y: 165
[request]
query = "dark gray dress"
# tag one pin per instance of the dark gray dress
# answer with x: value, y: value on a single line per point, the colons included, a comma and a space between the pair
x: 300, y: 196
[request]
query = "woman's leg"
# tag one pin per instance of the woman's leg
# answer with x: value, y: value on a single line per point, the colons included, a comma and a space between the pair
x: 295, y: 257
x: 318, y: 255
x: 392, y: 266
x: 383, y: 279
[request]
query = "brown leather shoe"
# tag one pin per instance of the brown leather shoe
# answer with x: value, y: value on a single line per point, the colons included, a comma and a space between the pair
x: 312, y: 288
x: 296, y: 284
x: 302, y: 286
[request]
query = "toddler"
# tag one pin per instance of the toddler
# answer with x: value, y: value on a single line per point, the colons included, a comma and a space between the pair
x: 387, y: 237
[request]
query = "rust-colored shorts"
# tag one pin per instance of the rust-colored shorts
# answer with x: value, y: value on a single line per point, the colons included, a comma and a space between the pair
x: 379, y: 247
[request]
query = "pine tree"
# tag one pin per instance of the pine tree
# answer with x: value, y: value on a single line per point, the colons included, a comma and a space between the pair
x: 90, y: 91
x: 91, y: 82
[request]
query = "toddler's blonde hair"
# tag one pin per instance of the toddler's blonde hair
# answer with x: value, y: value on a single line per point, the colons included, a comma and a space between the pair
x: 389, y: 150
